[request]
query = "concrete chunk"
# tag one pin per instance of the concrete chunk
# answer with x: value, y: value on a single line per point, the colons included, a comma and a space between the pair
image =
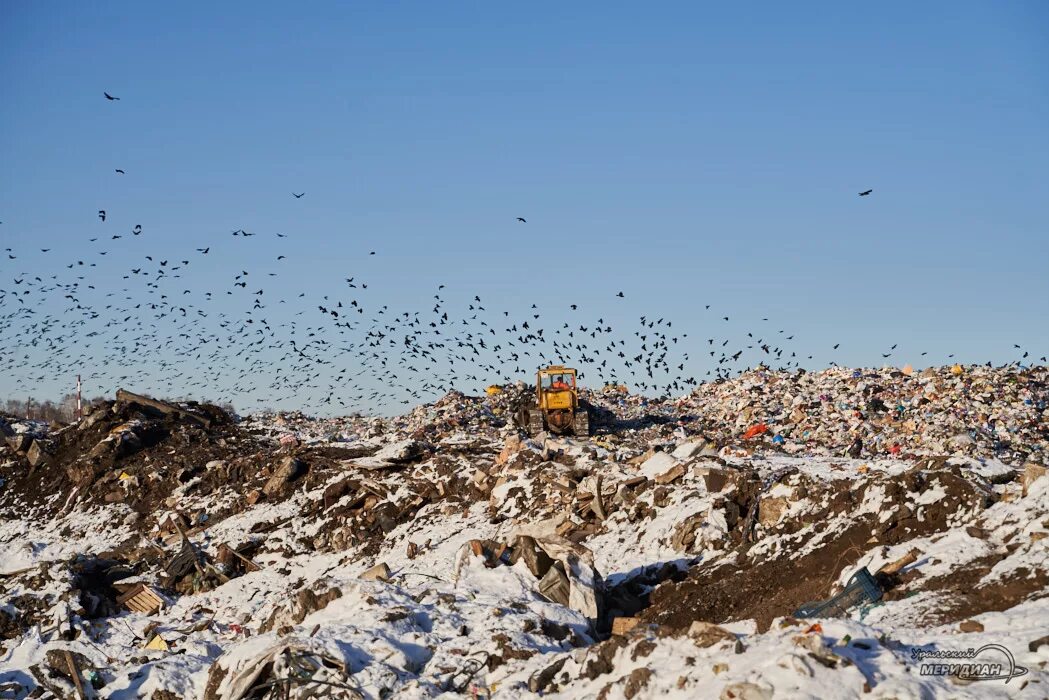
x: 659, y: 463
x: 690, y: 449
x: 37, y: 454
x: 19, y: 442
x: 379, y: 572
x: 1032, y: 472
x: 287, y: 471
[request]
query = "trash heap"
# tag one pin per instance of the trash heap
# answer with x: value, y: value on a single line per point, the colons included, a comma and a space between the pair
x: 738, y: 536
x: 975, y: 410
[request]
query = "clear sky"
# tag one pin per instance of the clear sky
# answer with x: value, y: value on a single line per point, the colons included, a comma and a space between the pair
x: 683, y: 153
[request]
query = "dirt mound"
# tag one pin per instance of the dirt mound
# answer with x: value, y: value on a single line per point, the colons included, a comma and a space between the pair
x: 127, y: 451
x: 764, y: 583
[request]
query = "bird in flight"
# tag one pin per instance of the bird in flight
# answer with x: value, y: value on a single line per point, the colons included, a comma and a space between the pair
x: 521, y: 219
x: 120, y: 171
x: 865, y: 193
x: 110, y: 97
x: 297, y: 196
x: 620, y: 295
x: 102, y: 214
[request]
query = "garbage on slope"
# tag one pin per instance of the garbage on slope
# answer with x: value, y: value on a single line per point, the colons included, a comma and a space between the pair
x: 443, y: 550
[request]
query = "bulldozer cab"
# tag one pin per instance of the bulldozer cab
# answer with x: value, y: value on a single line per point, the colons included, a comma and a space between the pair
x: 559, y: 380
x: 556, y: 388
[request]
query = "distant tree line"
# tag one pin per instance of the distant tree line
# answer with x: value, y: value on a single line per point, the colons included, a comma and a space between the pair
x: 62, y: 411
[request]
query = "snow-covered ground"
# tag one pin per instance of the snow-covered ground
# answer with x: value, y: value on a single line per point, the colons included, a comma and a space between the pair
x: 455, y: 615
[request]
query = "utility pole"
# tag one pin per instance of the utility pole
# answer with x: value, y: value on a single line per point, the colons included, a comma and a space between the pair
x: 28, y: 405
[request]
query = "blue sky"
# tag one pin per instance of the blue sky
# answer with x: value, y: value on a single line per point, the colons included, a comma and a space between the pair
x: 686, y: 154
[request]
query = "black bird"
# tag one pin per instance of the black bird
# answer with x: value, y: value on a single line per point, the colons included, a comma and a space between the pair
x: 836, y: 345
x: 297, y: 196
x: 110, y: 97
x: 620, y: 295
x: 137, y: 230
x: 864, y: 194
x: 102, y: 214
x: 521, y: 220
x: 120, y: 171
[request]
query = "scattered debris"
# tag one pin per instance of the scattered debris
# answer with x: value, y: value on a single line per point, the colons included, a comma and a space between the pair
x: 227, y: 552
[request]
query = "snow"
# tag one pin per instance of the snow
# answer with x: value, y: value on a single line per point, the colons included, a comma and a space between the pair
x: 410, y: 637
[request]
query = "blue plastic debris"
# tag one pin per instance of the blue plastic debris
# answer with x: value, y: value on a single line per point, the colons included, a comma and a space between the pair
x: 861, y: 589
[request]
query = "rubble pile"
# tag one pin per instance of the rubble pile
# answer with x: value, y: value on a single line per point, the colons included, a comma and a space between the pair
x: 165, y: 550
x: 976, y: 410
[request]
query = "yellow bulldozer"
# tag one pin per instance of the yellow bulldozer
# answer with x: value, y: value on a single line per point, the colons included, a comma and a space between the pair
x: 557, y: 406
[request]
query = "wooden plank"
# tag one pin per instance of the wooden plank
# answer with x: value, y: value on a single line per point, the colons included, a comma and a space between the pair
x: 75, y: 673
x: 144, y: 603
x: 142, y: 599
x: 176, y: 537
x: 129, y: 593
x: 894, y: 567
x: 248, y: 563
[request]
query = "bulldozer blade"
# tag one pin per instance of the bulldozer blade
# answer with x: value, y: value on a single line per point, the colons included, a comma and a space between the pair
x: 560, y: 422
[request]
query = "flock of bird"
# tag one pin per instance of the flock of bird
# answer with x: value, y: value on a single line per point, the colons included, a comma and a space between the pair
x: 326, y: 352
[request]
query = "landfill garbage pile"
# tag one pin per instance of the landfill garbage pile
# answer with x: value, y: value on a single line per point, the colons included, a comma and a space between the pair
x: 734, y: 543
x: 976, y: 410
